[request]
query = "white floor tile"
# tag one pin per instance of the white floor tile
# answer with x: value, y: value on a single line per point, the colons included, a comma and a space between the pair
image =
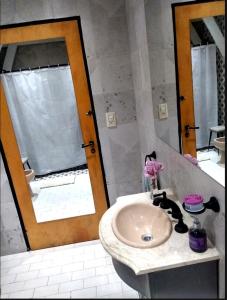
x: 8, y: 278
x: 50, y: 271
x: 108, y: 289
x: 95, y: 281
x: 128, y: 291
x: 73, y: 267
x: 113, y: 278
x: 11, y: 263
x: 22, y: 294
x: 37, y: 282
x: 32, y: 259
x: 4, y: 296
x: 60, y: 278
x: 83, y: 274
x: 94, y: 263
x: 15, y: 256
x: 113, y: 296
x: 103, y: 270
x: 27, y: 275
x: 109, y: 260
x: 19, y: 269
x: 209, y: 163
x: 88, y: 293
x: 60, y: 296
x: 12, y: 287
x: 45, y: 291
x: 40, y: 265
x: 53, y: 273
x: 71, y: 286
x: 64, y: 200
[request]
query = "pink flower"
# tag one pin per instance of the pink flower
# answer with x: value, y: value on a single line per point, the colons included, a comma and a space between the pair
x: 152, y: 168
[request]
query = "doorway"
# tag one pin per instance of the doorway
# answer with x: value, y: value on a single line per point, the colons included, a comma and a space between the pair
x: 49, y: 133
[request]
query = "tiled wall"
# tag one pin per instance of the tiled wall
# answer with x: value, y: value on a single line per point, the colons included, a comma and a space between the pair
x: 12, y: 240
x: 163, y: 81
x: 141, y: 76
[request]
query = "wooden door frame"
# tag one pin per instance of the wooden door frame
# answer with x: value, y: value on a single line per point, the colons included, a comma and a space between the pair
x: 183, y: 13
x: 58, y: 28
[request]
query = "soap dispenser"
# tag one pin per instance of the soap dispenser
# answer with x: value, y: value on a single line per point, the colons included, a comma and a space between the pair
x: 197, y: 236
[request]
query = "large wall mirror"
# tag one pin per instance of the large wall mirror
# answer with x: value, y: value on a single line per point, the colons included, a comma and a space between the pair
x: 195, y: 123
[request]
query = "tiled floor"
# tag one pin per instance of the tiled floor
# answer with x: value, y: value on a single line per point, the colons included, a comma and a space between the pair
x: 208, y: 162
x: 82, y: 270
x: 65, y: 200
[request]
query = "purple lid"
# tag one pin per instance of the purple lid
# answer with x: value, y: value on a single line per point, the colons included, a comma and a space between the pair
x: 193, y: 199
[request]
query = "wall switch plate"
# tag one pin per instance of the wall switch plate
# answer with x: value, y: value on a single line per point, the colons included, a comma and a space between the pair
x: 163, y: 111
x: 111, y: 119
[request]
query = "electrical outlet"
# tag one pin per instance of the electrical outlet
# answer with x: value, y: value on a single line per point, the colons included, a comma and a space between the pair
x: 111, y: 119
x: 163, y: 111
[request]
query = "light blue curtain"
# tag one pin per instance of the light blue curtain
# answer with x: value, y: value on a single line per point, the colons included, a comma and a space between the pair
x: 204, y: 76
x: 45, y: 118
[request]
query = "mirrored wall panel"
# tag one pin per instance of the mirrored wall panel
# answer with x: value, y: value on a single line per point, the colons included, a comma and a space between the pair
x: 208, y: 75
x: 205, y: 128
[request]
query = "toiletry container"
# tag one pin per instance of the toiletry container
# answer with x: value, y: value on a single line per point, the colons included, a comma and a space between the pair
x: 193, y: 203
x: 197, y: 237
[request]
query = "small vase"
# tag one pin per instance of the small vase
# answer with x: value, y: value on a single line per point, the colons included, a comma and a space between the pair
x: 153, y: 187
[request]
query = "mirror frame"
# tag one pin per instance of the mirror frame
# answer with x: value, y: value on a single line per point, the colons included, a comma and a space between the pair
x: 183, y: 13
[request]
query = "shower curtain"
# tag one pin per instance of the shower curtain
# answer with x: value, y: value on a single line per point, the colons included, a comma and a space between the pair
x: 204, y: 76
x: 45, y: 118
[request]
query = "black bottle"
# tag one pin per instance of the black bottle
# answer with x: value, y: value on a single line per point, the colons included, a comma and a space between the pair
x: 197, y: 237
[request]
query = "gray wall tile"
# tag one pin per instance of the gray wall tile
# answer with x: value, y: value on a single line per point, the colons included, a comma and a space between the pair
x: 123, y: 103
x: 22, y: 11
x: 7, y: 10
x: 12, y: 240
x: 116, y: 74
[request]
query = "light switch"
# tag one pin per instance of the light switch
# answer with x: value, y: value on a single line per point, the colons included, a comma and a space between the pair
x: 163, y: 111
x: 111, y: 119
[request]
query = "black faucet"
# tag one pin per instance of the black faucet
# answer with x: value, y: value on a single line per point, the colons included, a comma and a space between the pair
x: 165, y: 203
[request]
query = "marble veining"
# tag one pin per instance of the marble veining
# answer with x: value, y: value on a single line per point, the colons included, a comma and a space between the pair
x: 175, y: 252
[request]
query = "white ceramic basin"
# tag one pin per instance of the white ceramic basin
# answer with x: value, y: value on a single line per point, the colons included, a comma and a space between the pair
x: 141, y: 225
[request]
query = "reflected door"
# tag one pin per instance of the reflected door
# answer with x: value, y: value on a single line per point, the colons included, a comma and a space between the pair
x: 50, y: 142
x: 185, y: 17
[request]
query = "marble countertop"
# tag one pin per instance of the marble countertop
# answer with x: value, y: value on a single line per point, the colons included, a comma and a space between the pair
x: 173, y: 253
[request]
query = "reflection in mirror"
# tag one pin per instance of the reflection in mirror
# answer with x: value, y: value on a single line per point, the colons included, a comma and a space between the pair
x: 208, y: 75
x: 192, y: 89
x: 40, y: 95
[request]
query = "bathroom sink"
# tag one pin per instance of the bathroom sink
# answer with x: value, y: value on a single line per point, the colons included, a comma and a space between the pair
x: 141, y: 225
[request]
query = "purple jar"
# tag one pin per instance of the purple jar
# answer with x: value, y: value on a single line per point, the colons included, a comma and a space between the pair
x: 197, y: 237
x: 193, y: 202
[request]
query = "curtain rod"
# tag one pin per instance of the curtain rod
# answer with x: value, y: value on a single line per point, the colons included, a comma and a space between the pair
x: 203, y: 44
x: 31, y: 69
